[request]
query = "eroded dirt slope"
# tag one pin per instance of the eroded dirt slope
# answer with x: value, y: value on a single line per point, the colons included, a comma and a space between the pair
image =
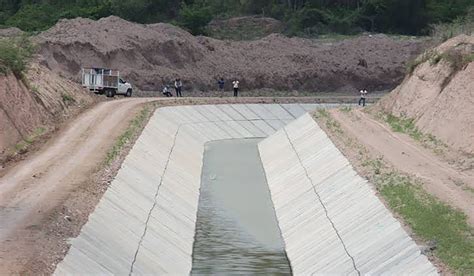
x: 34, y: 105
x: 439, y: 94
x: 150, y: 55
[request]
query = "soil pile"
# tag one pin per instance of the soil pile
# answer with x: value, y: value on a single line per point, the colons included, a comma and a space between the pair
x: 439, y: 93
x: 244, y: 28
x: 150, y: 55
x: 32, y: 106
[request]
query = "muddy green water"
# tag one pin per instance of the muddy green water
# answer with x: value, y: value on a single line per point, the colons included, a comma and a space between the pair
x: 236, y: 229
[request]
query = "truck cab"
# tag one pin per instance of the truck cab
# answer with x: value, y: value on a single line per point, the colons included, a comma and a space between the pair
x: 124, y: 88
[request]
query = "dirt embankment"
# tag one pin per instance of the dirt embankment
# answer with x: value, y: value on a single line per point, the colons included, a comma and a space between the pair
x: 150, y: 55
x: 439, y: 94
x: 244, y: 27
x: 34, y: 105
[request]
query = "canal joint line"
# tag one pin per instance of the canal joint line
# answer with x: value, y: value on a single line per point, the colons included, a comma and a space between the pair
x: 321, y: 202
x: 154, y: 202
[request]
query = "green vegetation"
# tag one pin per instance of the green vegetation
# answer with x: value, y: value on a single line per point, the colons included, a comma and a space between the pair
x: 404, y: 125
x: 195, y: 17
x: 431, y: 220
x: 426, y: 56
x: 67, y: 99
x: 346, y: 109
x: 14, y: 54
x: 407, y: 126
x: 457, y: 59
x: 23, y: 146
x: 303, y: 17
x: 331, y: 124
x: 460, y: 25
x: 136, y: 125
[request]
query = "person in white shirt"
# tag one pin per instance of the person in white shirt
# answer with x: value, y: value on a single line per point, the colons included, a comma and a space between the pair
x: 166, y: 91
x: 235, y: 84
x: 363, y: 94
x: 178, y: 86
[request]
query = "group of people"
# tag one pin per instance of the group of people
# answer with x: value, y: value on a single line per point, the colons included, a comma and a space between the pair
x: 235, y: 86
x: 178, y: 87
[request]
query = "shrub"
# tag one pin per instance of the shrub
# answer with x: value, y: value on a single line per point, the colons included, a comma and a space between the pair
x: 194, y: 18
x: 457, y: 59
x: 14, y: 54
x: 428, y: 55
x: 461, y: 25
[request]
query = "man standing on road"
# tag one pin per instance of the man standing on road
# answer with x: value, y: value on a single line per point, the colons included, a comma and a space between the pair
x: 363, y: 94
x: 178, y: 86
x: 221, y: 83
x: 235, y: 84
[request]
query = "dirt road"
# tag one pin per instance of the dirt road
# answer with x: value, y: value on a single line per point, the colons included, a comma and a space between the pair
x: 442, y: 180
x: 32, y: 188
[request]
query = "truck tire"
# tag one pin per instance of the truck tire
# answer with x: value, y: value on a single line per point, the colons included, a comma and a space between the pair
x: 129, y: 93
x: 110, y: 93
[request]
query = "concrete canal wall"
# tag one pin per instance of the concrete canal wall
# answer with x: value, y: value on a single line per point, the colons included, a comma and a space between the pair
x: 330, y: 219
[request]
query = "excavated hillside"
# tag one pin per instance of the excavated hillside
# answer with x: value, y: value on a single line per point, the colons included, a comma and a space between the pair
x: 439, y: 93
x: 34, y: 105
x: 150, y: 55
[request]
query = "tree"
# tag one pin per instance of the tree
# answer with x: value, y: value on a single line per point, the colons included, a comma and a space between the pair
x: 194, y: 17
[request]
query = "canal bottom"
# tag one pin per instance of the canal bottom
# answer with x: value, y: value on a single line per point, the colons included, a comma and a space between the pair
x: 236, y: 230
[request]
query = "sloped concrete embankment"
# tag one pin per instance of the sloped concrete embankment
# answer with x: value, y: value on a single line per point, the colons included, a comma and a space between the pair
x: 330, y: 218
x: 145, y: 222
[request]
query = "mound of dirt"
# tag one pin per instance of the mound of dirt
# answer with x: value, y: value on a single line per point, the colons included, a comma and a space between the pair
x: 150, y: 55
x: 439, y: 94
x: 32, y: 106
x: 244, y: 28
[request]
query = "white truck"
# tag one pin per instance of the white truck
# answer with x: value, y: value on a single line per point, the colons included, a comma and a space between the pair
x: 105, y: 81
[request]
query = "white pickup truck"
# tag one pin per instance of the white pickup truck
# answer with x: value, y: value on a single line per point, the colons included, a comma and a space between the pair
x: 105, y: 81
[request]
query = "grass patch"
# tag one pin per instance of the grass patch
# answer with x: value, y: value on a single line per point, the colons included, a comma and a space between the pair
x: 23, y: 146
x: 432, y: 220
x: 407, y: 126
x: 14, y: 54
x: 323, y: 113
x: 457, y: 59
x: 345, y: 109
x: 404, y: 125
x: 34, y: 89
x: 332, y: 124
x: 67, y: 99
x: 136, y: 125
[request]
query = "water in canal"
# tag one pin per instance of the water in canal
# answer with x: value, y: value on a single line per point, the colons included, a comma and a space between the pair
x: 236, y: 229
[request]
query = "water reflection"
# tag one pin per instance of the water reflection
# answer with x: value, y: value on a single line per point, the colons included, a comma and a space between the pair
x: 236, y: 229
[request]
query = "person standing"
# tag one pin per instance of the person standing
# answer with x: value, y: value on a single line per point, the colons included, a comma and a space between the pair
x: 235, y: 84
x: 363, y: 94
x: 178, y: 86
x: 221, y: 83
